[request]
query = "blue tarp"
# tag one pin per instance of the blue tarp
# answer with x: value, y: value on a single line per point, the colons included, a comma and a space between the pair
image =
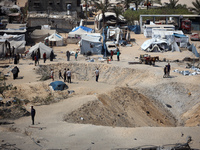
x: 84, y: 28
x: 135, y: 29
x: 179, y: 35
x: 58, y: 85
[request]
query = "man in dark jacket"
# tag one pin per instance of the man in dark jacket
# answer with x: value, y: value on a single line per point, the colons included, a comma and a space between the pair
x: 32, y: 114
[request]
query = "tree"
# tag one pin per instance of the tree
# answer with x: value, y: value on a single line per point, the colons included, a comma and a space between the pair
x: 103, y: 7
x: 196, y: 7
x: 137, y: 3
x: 127, y: 3
x: 118, y: 11
x: 172, y: 4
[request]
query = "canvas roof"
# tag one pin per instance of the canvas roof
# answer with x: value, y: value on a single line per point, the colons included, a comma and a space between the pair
x: 55, y: 37
x: 43, y: 49
x: 79, y: 31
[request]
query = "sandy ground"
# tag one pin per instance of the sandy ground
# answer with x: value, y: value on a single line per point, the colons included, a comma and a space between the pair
x: 52, y: 132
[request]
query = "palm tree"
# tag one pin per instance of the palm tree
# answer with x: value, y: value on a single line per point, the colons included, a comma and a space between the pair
x: 172, y: 4
x: 196, y: 7
x: 127, y: 3
x: 104, y: 8
x: 137, y: 3
x: 118, y: 11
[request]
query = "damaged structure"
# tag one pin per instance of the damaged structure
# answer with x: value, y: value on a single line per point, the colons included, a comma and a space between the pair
x: 57, y: 13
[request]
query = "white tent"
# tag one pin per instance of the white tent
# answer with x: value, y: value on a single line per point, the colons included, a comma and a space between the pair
x: 43, y: 48
x: 18, y: 45
x: 56, y: 38
x: 91, y: 43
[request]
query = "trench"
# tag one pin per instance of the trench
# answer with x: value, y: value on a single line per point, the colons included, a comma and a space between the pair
x: 134, y: 102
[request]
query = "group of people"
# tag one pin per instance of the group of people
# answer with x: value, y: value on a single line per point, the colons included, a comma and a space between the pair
x: 112, y: 53
x: 37, y: 55
x: 68, y: 54
x: 167, y: 69
x: 66, y: 75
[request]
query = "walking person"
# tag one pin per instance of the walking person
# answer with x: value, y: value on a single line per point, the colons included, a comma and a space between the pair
x: 68, y: 55
x: 44, y: 57
x: 76, y: 55
x: 165, y: 72
x: 118, y: 53
x: 111, y: 55
x: 97, y: 74
x: 52, y: 74
x: 69, y: 76
x: 33, y: 114
x: 65, y: 75
x: 60, y: 75
x: 168, y: 69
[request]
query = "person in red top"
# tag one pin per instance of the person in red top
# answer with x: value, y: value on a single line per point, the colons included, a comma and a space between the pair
x: 44, y: 57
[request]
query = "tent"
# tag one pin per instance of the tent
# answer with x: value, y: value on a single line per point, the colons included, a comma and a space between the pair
x: 18, y: 45
x: 56, y: 38
x: 91, y: 44
x: 79, y: 31
x: 58, y: 85
x: 43, y: 48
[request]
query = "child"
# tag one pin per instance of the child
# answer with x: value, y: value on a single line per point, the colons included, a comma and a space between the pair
x: 76, y: 55
x: 60, y: 75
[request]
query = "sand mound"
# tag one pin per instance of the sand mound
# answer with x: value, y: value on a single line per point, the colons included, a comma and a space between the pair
x: 123, y: 107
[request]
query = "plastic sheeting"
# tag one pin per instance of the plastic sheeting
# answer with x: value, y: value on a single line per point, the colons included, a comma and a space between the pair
x: 135, y: 29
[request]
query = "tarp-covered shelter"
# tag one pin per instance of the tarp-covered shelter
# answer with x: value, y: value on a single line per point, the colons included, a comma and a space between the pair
x: 43, y: 48
x: 58, y: 85
x: 3, y: 49
x: 56, y: 38
x: 79, y: 31
x: 39, y: 35
x: 91, y: 44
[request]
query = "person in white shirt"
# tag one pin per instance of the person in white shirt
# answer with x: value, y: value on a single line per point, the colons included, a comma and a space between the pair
x: 97, y: 74
x: 69, y: 76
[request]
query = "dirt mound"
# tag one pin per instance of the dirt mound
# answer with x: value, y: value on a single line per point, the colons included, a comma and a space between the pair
x: 123, y: 107
x: 13, y: 112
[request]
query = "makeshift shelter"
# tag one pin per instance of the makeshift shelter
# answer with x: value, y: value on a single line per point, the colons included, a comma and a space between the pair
x: 58, y: 85
x: 79, y: 31
x: 181, y: 39
x: 43, y: 48
x: 55, y: 38
x: 91, y: 44
x: 18, y: 45
x: 3, y: 49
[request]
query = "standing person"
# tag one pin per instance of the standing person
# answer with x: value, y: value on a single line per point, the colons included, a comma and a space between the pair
x: 18, y: 57
x: 36, y: 59
x: 52, y: 74
x: 168, y: 69
x: 51, y: 55
x: 15, y: 72
x: 76, y: 55
x: 33, y: 114
x: 68, y: 55
x: 38, y: 54
x: 69, y: 76
x: 111, y: 55
x: 97, y: 74
x: 65, y: 75
x: 33, y: 55
x: 60, y: 75
x: 118, y: 53
x: 165, y: 72
x: 15, y: 59
x: 44, y: 57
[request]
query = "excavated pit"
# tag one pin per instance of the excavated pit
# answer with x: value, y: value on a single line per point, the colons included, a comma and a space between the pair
x: 139, y: 99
